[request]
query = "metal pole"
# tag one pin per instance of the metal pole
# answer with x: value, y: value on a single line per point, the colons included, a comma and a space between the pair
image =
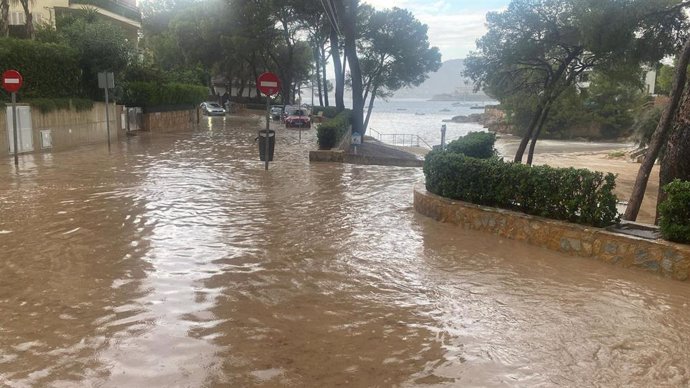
x: 268, y: 113
x: 443, y: 137
x: 107, y: 115
x: 14, y: 128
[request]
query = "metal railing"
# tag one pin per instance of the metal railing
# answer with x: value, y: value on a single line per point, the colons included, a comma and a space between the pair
x: 400, y: 139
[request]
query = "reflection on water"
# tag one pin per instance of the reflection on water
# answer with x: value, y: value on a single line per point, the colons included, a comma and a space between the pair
x: 176, y: 260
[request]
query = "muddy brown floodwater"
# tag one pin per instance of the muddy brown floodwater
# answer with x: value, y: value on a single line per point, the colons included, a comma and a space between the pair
x: 175, y: 260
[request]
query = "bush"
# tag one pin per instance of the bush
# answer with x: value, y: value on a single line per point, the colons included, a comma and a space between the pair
x: 47, y: 105
x: 153, y: 94
x: 49, y: 70
x: 674, y: 212
x: 475, y: 144
x: 579, y: 196
x: 328, y: 111
x: 332, y: 131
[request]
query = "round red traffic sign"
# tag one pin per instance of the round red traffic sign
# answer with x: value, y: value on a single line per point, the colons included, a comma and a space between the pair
x: 268, y: 84
x: 12, y: 81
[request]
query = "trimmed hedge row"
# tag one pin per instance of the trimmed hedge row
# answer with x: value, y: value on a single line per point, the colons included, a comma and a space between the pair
x: 329, y: 112
x: 332, y: 131
x: 674, y: 212
x: 574, y: 195
x: 49, y: 70
x: 47, y: 105
x: 475, y: 144
x: 154, y: 94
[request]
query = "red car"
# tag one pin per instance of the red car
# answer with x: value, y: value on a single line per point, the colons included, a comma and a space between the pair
x: 297, y: 119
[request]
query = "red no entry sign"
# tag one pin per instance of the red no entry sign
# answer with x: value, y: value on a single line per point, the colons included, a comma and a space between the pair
x: 268, y: 83
x: 12, y: 81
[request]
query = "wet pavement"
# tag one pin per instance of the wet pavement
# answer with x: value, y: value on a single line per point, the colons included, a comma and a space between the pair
x: 175, y: 260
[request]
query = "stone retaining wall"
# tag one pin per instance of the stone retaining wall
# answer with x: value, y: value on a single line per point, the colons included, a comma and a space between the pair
x: 169, y: 121
x: 657, y: 256
x: 69, y: 128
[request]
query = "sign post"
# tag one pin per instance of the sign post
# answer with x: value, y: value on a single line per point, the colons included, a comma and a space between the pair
x: 12, y: 81
x: 106, y: 80
x: 443, y: 137
x: 268, y: 84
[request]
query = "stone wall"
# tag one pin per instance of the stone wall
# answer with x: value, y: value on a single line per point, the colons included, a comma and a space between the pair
x: 657, y: 256
x: 68, y: 128
x: 169, y: 121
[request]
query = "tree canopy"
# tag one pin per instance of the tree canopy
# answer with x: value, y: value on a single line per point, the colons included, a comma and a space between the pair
x: 542, y: 47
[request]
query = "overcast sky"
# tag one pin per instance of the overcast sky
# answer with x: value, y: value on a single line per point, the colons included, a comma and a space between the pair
x: 454, y: 25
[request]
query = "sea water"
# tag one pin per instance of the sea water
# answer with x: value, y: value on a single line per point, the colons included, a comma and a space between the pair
x: 423, y: 118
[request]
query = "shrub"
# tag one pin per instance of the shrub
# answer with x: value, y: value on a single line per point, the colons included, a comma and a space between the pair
x: 328, y: 111
x: 475, y: 144
x: 153, y: 94
x: 49, y: 70
x: 47, y: 105
x: 674, y: 212
x: 332, y: 131
x: 579, y: 196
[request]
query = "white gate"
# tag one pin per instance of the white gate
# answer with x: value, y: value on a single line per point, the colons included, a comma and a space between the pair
x: 25, y: 141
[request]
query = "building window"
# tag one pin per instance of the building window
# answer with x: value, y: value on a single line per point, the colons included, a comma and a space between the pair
x: 38, y: 19
x: 17, y: 19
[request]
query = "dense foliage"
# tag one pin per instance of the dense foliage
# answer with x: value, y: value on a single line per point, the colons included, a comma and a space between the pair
x: 332, y: 131
x: 674, y: 212
x: 579, y: 196
x: 99, y: 45
x: 537, y: 49
x: 328, y: 111
x: 607, y: 109
x: 47, y: 105
x: 475, y: 144
x: 49, y: 70
x: 148, y: 94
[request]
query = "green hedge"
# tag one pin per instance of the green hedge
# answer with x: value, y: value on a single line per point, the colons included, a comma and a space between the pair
x: 328, y: 111
x: 154, y: 94
x: 49, y: 70
x: 332, y: 131
x: 474, y: 144
x: 674, y: 212
x: 47, y: 105
x: 579, y: 196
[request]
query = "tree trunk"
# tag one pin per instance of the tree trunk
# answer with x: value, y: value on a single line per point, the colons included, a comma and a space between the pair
x: 338, y: 69
x: 371, y: 108
x: 537, y: 132
x: 4, y: 18
x: 350, y: 32
x: 528, y: 134
x: 29, y: 19
x: 659, y: 136
x: 240, y: 89
x: 324, y: 82
x: 675, y: 161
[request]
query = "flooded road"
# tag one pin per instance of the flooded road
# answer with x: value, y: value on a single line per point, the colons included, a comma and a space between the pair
x: 177, y: 261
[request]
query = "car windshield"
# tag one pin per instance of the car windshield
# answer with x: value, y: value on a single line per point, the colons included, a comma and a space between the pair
x: 213, y: 105
x: 298, y: 113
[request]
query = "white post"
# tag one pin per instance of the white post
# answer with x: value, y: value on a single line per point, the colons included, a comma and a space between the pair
x: 14, y: 128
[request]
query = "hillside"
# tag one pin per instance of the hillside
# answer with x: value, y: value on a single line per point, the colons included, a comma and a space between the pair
x: 447, y: 81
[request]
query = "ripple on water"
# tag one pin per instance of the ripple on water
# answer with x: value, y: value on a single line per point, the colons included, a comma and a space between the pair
x: 176, y: 259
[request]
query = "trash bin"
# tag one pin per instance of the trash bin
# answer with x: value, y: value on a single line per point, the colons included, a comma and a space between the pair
x: 262, y: 145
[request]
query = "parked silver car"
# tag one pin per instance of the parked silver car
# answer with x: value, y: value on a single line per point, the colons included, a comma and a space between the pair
x: 276, y: 111
x: 212, y: 109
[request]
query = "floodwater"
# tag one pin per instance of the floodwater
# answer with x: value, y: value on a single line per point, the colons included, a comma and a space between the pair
x: 175, y: 260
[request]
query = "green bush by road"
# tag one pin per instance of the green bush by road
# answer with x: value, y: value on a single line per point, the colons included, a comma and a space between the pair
x: 675, y: 212
x: 574, y: 195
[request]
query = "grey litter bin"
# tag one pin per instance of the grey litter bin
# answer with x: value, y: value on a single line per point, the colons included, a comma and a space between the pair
x: 262, y: 145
